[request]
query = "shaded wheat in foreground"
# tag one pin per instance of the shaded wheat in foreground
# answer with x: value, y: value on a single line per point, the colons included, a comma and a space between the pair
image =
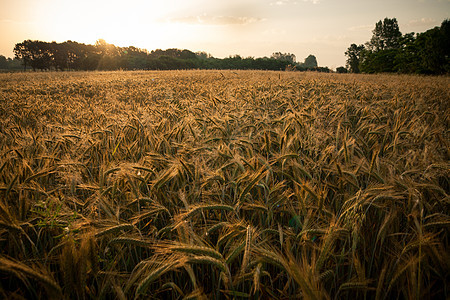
x: 224, y: 185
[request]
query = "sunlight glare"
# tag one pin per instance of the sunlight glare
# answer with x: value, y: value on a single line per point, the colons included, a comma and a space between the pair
x: 122, y: 23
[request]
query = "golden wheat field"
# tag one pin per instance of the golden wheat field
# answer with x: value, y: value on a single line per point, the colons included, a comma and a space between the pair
x: 224, y: 185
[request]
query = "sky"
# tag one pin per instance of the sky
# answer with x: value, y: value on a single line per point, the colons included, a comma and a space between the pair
x: 256, y: 28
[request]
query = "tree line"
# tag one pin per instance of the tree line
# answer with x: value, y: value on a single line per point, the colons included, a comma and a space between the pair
x: 10, y: 63
x: 391, y: 51
x: 70, y: 55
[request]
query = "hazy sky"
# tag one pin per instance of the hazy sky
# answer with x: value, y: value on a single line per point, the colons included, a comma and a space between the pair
x: 256, y: 28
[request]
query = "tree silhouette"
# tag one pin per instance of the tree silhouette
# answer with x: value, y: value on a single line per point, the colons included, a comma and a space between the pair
x: 23, y: 52
x: 390, y: 51
x: 284, y: 56
x: 434, y: 49
x: 353, y: 54
x: 310, y: 62
x: 71, y: 55
x: 386, y: 35
x: 341, y: 70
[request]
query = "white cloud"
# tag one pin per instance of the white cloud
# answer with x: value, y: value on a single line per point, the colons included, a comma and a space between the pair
x: 331, y: 38
x: 215, y: 20
x: 421, y: 22
x: 281, y: 2
x: 362, y: 28
x: 285, y: 2
x: 275, y: 32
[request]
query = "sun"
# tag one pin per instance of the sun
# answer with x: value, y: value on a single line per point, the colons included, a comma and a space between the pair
x: 123, y: 23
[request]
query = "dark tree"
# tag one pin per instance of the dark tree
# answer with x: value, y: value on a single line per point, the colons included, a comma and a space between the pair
x: 203, y: 55
x: 354, y: 53
x: 434, y: 49
x: 310, y: 62
x: 386, y: 35
x: 22, y: 51
x: 103, y: 56
x: 37, y: 54
x: 59, y: 55
x: 3, y: 62
x: 341, y: 70
x: 10, y: 64
x: 284, y: 56
x: 383, y: 61
x: 186, y: 54
x: 390, y: 51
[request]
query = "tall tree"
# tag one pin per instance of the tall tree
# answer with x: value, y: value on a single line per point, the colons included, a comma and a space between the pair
x: 386, y: 35
x: 354, y: 54
x: 22, y: 51
x: 37, y: 54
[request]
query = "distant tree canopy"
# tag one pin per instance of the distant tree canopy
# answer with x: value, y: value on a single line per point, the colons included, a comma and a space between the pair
x: 310, y: 62
x: 10, y: 64
x: 284, y: 56
x: 71, y: 55
x: 341, y: 70
x: 390, y: 51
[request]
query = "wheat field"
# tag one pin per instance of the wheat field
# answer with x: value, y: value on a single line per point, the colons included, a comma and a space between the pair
x: 224, y: 185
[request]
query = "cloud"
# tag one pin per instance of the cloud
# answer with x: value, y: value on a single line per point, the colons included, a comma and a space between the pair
x: 422, y: 22
x: 215, y: 20
x: 419, y: 23
x: 362, y: 28
x: 281, y: 2
x: 331, y: 38
x: 275, y: 32
x: 285, y: 2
